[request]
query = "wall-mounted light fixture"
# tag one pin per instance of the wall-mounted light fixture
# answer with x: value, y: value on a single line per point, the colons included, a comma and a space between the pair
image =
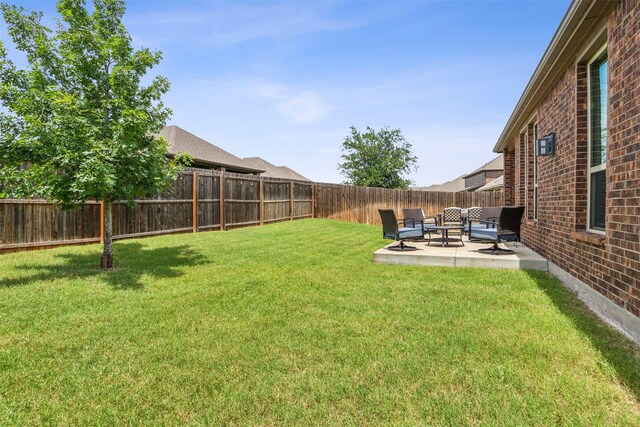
x: 546, y: 146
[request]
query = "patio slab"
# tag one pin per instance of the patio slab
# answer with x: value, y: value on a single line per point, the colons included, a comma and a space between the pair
x: 456, y: 255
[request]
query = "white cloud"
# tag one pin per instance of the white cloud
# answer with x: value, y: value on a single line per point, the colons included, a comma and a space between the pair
x: 303, y: 108
x: 298, y: 106
x: 227, y: 24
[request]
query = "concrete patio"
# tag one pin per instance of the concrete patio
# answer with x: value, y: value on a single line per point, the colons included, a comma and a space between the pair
x: 456, y: 255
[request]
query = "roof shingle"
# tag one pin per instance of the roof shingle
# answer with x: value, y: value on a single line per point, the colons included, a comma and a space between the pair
x: 274, y: 171
x: 202, y: 151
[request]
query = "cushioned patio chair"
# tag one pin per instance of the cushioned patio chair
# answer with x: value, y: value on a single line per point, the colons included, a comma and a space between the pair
x: 411, y: 215
x: 497, y: 225
x: 396, y: 230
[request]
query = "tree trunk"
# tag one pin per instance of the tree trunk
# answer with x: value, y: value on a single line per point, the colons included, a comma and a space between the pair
x: 106, y: 262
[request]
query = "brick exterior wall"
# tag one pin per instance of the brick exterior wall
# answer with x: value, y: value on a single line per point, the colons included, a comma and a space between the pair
x: 529, y: 175
x: 520, y: 155
x: 610, y: 264
x: 491, y: 175
x: 623, y: 155
x: 509, y: 177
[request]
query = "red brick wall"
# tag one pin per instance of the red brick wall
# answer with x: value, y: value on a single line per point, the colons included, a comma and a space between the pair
x: 509, y: 177
x: 623, y: 154
x: 520, y: 155
x: 529, y: 152
x: 610, y: 264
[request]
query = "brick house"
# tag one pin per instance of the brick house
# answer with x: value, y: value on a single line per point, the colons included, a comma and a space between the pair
x: 485, y: 177
x: 583, y: 202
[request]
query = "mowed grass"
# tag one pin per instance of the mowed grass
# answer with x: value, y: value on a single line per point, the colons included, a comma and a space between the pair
x: 293, y: 324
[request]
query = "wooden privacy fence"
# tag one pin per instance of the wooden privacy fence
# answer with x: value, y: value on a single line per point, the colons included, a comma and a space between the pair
x: 197, y: 201
x: 202, y: 200
x: 361, y: 204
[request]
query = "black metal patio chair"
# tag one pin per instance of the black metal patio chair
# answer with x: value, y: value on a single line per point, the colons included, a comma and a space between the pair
x: 497, y: 225
x: 398, y: 231
x: 411, y: 215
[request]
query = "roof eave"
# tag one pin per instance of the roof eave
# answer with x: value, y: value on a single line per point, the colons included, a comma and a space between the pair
x: 224, y: 165
x: 578, y: 23
x: 482, y: 171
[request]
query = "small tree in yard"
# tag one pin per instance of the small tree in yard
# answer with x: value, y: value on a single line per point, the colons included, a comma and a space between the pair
x: 377, y: 159
x: 78, y: 112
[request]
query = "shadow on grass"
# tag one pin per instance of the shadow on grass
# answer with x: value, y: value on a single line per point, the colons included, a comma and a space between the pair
x: 132, y: 261
x: 619, y: 351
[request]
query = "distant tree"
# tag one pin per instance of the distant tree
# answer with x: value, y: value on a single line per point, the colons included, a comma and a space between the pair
x: 78, y: 112
x: 377, y: 159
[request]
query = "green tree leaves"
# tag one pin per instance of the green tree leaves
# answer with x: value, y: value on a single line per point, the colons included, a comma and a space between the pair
x: 377, y: 159
x: 79, y: 113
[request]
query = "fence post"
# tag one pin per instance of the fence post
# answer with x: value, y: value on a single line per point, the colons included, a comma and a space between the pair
x: 195, y: 202
x: 101, y: 222
x: 291, y: 201
x: 222, y: 199
x: 313, y: 200
x: 261, y: 207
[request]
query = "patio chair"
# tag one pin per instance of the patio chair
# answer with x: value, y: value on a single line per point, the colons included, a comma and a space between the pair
x: 452, y: 216
x: 473, y: 214
x: 483, y: 228
x: 411, y: 215
x: 396, y: 230
x: 470, y: 214
x: 497, y: 225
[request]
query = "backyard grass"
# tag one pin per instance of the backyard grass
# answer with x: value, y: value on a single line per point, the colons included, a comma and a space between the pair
x: 292, y: 324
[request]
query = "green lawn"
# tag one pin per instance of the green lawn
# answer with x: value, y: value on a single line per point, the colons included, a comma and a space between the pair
x: 292, y: 324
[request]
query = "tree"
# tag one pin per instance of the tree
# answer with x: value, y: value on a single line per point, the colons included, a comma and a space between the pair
x: 377, y: 159
x: 79, y: 113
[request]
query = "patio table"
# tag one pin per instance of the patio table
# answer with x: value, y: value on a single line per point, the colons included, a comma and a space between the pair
x: 445, y: 239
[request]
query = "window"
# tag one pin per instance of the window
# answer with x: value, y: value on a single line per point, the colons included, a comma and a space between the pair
x: 535, y: 172
x: 598, y: 90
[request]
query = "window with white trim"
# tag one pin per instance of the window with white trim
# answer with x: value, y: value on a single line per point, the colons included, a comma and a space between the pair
x: 597, y: 181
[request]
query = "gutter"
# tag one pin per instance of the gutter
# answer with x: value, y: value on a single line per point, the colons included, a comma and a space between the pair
x: 577, y: 25
x: 235, y: 167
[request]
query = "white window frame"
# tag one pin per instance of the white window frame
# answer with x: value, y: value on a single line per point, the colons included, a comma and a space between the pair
x: 602, y: 167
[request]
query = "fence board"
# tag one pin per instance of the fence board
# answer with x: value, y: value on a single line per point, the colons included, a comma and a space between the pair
x: 361, y: 204
x: 208, y: 201
x: 246, y: 200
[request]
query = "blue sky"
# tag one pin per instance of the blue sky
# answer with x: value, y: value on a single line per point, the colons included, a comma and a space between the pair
x: 286, y: 80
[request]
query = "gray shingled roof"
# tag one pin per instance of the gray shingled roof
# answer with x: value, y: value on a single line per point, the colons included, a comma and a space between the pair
x: 493, y: 185
x: 458, y: 184
x: 496, y: 164
x: 449, y: 186
x: 202, y: 151
x: 273, y: 171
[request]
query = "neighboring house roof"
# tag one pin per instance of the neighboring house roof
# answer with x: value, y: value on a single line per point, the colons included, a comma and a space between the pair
x: 582, y: 20
x: 449, y: 186
x: 493, y: 185
x: 202, y: 151
x: 273, y: 171
x: 496, y: 164
x: 294, y: 174
x: 460, y: 183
